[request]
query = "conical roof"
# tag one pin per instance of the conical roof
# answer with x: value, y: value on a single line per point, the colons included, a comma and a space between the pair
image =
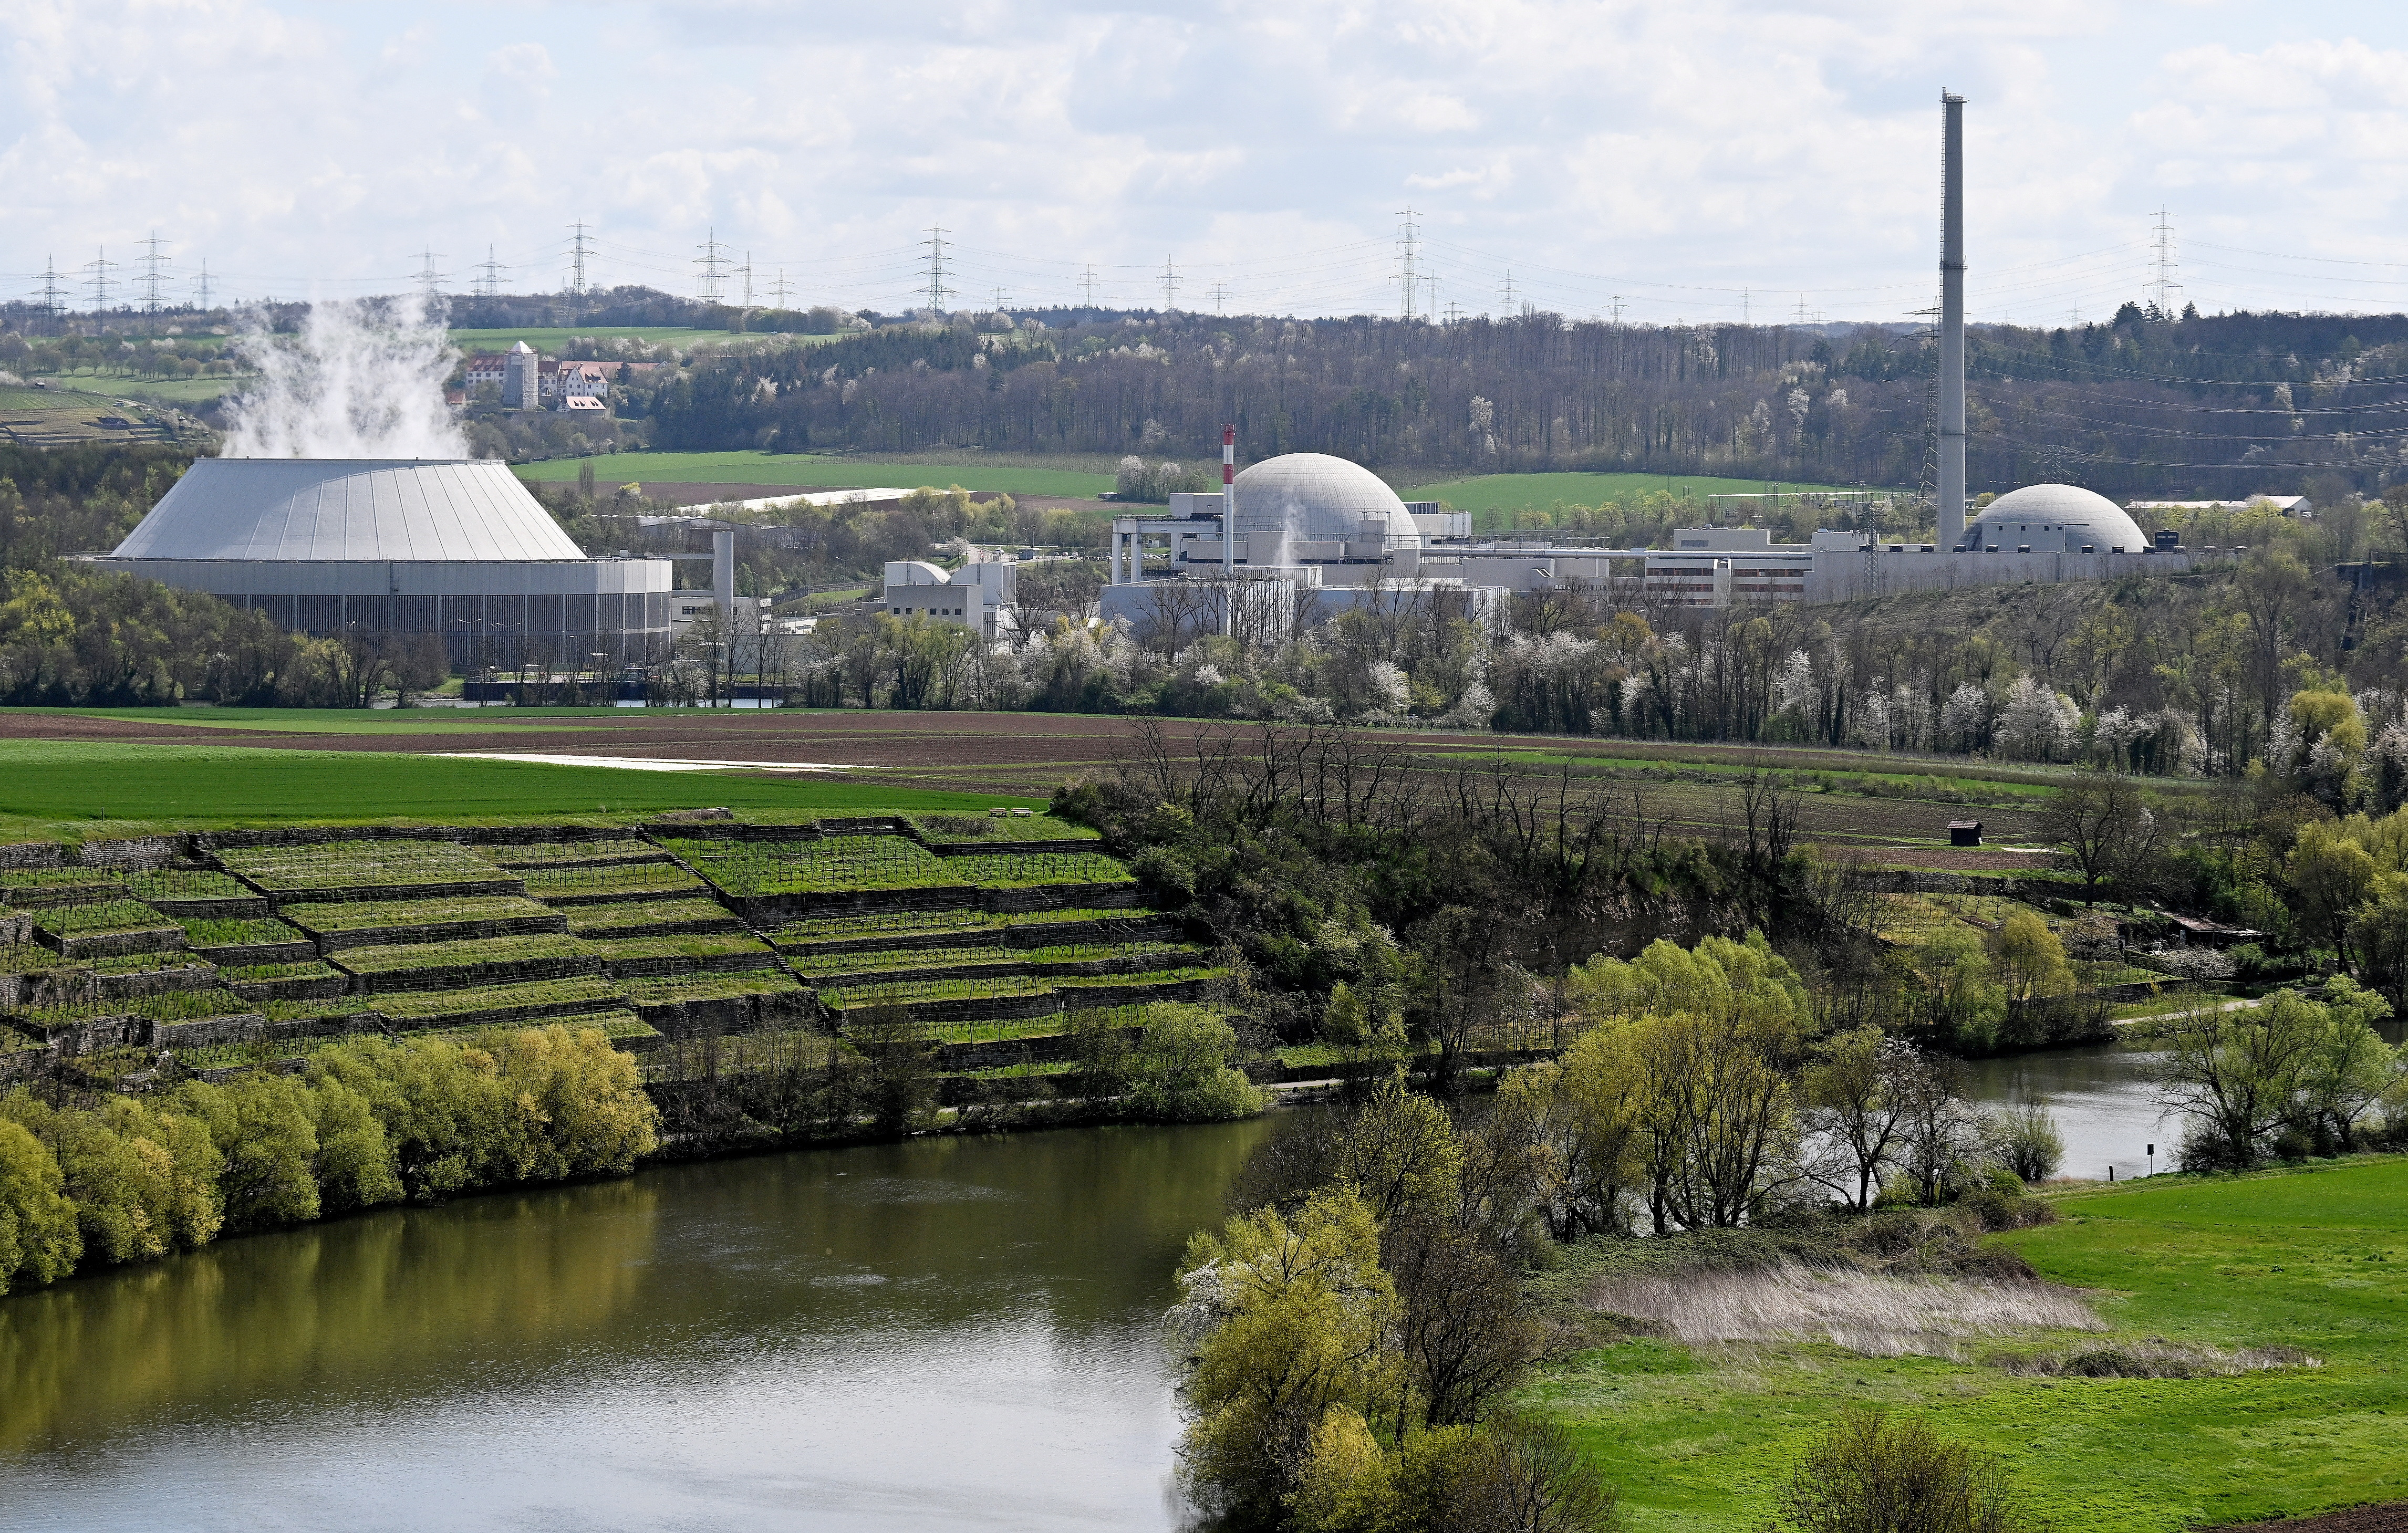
x: 410, y: 509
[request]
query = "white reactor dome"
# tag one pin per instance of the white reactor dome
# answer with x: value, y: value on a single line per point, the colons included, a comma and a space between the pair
x: 1323, y: 499
x: 348, y: 509
x: 2055, y: 519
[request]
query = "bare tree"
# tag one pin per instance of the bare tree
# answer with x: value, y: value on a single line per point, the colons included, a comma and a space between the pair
x: 2103, y: 829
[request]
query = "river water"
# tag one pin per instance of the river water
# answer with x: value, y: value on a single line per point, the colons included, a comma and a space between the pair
x: 945, y: 1333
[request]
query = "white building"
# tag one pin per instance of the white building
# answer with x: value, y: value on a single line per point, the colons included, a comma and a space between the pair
x: 978, y: 597
x: 1336, y: 535
x: 522, y: 383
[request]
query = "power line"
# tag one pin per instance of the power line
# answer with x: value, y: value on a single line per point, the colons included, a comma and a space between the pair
x: 748, y: 279
x: 998, y: 297
x: 1170, y: 286
x: 577, y: 260
x: 1090, y: 280
x: 936, y: 289
x: 98, y: 280
x: 1408, y: 249
x: 202, y: 282
x: 489, y: 285
x: 1220, y: 297
x: 430, y: 281
x: 1615, y: 305
x: 712, y: 264
x: 2162, y: 286
x: 1508, y: 293
x: 151, y: 261
x: 779, y: 288
x: 53, y: 289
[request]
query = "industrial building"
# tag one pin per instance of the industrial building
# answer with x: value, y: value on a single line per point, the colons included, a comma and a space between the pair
x: 978, y: 597
x: 1308, y: 535
x: 456, y: 549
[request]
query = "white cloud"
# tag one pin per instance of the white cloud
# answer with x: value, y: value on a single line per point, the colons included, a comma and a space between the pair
x: 1671, y: 154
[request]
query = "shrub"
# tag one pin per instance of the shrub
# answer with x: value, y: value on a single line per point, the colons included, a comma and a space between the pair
x: 39, y: 1239
x: 2029, y: 1143
x: 1874, y: 1474
x: 144, y: 1182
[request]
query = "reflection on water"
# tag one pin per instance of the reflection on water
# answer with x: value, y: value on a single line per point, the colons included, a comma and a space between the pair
x: 2103, y: 1106
x: 955, y: 1333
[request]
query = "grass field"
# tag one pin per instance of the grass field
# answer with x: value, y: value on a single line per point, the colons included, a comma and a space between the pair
x: 1494, y: 498
x: 348, y: 721
x: 2315, y: 1259
x: 55, y: 787
x: 551, y: 337
x: 1001, y: 476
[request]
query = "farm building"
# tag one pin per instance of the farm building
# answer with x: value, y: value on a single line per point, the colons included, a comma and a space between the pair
x: 456, y: 549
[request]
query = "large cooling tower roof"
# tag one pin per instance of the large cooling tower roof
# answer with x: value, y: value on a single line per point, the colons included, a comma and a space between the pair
x: 2057, y: 516
x: 1323, y: 497
x: 412, y: 509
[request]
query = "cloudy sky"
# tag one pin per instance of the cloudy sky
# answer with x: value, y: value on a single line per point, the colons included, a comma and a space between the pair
x: 1682, y: 159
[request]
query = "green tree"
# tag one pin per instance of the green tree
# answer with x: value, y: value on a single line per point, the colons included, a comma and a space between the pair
x: 40, y: 1241
x: 2235, y: 1074
x: 261, y: 1123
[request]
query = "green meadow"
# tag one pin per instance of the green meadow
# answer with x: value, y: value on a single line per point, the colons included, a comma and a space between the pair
x: 2314, y: 1259
x: 91, y: 789
x: 1000, y: 475
x: 1493, y: 499
x: 551, y: 337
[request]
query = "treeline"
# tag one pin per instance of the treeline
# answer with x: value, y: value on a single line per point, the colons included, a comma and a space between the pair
x: 93, y: 1182
x: 2226, y: 405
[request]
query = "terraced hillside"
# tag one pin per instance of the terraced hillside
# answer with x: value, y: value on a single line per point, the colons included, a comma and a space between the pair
x: 226, y: 951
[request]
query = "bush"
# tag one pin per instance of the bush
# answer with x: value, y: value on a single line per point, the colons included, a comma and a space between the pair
x: 2029, y: 1143
x: 1874, y: 1474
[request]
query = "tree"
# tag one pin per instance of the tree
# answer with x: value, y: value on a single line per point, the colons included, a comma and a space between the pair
x: 2331, y: 875
x: 2349, y: 1068
x: 1285, y: 1321
x: 2103, y: 829
x: 2030, y: 960
x: 40, y: 1241
x: 2235, y: 1073
x: 2028, y: 1141
x: 1941, y: 1136
x: 1857, y: 1103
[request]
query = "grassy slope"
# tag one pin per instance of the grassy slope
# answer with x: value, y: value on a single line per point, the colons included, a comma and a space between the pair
x: 1700, y: 1441
x: 1494, y: 493
x: 53, y: 787
x: 1001, y: 474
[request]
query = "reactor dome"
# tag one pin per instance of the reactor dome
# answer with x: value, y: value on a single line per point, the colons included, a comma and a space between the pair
x: 2055, y: 519
x: 1323, y: 499
x: 347, y: 508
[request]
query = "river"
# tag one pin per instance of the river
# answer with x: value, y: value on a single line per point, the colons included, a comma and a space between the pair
x: 948, y: 1333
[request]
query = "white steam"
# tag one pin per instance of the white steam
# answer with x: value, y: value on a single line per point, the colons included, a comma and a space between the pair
x: 361, y: 381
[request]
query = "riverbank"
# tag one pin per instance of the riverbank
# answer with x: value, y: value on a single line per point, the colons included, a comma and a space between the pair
x: 2282, y: 1297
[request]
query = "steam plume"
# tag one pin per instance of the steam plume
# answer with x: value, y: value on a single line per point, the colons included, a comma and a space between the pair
x: 360, y: 381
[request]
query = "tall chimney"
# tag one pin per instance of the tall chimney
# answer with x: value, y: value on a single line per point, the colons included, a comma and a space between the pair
x: 1952, y: 323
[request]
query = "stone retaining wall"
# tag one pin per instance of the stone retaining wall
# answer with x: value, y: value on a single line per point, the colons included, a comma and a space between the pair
x: 1044, y: 1003
x: 335, y: 894
x: 236, y: 954
x: 470, y: 976
x: 112, y: 945
x: 729, y: 1015
x: 1020, y: 968
x: 331, y: 942
x: 231, y: 907
x: 654, y: 928
x: 157, y: 982
x: 323, y: 987
x: 31, y: 854
x: 140, y: 852
x: 717, y: 963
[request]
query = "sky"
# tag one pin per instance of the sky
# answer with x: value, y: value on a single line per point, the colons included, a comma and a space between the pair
x: 1700, y: 160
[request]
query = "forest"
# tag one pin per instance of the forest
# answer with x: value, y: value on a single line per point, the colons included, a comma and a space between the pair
x: 2142, y: 405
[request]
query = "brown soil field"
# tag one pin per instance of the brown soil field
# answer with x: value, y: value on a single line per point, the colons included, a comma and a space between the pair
x: 2389, y: 1517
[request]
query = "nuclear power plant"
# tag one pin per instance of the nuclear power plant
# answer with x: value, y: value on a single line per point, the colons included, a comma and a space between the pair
x: 1307, y: 532
x: 409, y: 547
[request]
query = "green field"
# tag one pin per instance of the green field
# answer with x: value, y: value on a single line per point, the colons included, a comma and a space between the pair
x: 1000, y: 475
x: 349, y: 720
x: 2315, y: 1259
x: 551, y: 337
x: 94, y: 789
x: 1485, y: 495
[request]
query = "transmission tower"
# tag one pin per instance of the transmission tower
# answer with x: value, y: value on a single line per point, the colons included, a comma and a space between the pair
x: 1169, y: 280
x: 430, y: 282
x: 1614, y: 305
x: 778, y: 289
x: 1802, y: 310
x: 576, y: 259
x: 1220, y: 297
x: 933, y: 283
x: 1746, y: 305
x: 1408, y: 255
x: 2162, y: 286
x: 202, y: 283
x: 1089, y: 280
x: 53, y: 288
x: 1454, y: 312
x: 748, y: 279
x: 151, y: 261
x: 1928, y: 485
x: 1509, y: 309
x: 713, y: 266
x: 98, y: 280
x: 489, y: 285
